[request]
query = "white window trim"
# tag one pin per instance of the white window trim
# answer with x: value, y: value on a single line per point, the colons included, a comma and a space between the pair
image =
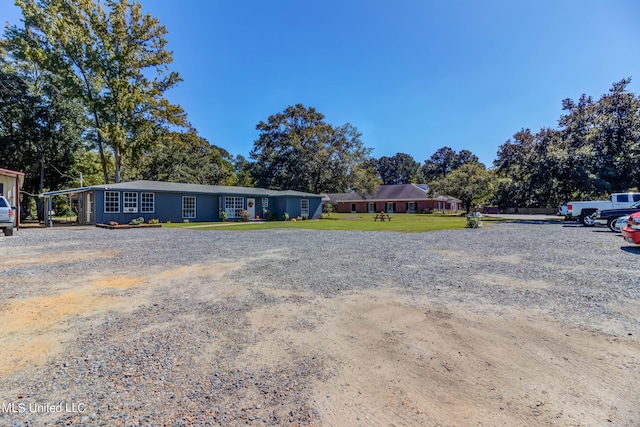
x: 129, y: 205
x: 304, y: 211
x: 234, y: 205
x: 265, y: 202
x: 143, y: 208
x: 105, y: 202
x: 187, y: 216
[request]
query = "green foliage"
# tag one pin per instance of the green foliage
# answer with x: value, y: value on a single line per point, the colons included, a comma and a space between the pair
x: 471, y: 183
x: 112, y: 58
x: 398, y: 169
x: 224, y: 216
x: 137, y: 221
x: 594, y: 151
x: 297, y: 150
x: 444, y: 161
x: 285, y: 216
x: 187, y: 158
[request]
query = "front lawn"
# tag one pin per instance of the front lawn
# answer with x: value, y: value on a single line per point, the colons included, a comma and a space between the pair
x: 404, y: 223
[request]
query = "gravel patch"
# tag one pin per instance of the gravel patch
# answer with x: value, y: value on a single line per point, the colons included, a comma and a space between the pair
x: 145, y: 366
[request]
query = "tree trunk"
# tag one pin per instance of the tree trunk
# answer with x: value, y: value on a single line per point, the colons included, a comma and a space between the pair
x: 118, y: 158
x: 103, y: 160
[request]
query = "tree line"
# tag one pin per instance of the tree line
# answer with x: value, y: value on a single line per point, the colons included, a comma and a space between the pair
x: 82, y: 90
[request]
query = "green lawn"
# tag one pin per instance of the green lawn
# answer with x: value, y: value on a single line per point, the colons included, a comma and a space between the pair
x: 404, y: 223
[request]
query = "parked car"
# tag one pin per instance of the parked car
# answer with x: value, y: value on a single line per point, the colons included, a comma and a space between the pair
x: 619, y: 223
x: 491, y: 210
x: 608, y: 216
x: 584, y: 210
x: 631, y: 233
x: 563, y: 211
x: 6, y: 217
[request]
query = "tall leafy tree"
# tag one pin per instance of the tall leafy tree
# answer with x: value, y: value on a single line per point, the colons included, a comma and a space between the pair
x: 186, y: 157
x: 616, y: 142
x: 398, y: 169
x: 112, y: 57
x: 471, y: 183
x: 439, y: 164
x: 40, y: 131
x: 298, y: 150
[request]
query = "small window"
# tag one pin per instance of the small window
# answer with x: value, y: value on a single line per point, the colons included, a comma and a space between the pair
x: 129, y: 202
x: 390, y: 206
x: 412, y: 207
x: 188, y: 206
x: 265, y: 202
x: 371, y: 207
x: 147, y: 202
x: 111, y: 201
x: 353, y: 208
x: 304, y: 207
x: 622, y: 198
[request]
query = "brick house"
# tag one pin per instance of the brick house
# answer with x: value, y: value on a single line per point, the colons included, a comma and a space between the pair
x: 399, y: 198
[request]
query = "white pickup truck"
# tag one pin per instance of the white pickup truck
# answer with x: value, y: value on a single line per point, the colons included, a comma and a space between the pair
x: 583, y: 210
x: 6, y: 217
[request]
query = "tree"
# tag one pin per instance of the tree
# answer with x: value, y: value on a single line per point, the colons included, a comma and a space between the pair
x: 40, y: 132
x: 439, y: 165
x: 187, y: 158
x: 444, y: 161
x: 616, y: 142
x: 298, y: 150
x: 471, y: 183
x: 113, y: 58
x: 398, y: 169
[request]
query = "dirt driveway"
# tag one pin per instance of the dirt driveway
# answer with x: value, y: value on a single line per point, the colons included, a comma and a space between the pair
x: 378, y: 355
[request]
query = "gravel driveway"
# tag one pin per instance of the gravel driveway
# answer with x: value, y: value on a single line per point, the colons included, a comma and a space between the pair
x: 521, y: 323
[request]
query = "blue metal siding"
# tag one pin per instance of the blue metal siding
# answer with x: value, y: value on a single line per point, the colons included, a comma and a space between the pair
x: 167, y: 207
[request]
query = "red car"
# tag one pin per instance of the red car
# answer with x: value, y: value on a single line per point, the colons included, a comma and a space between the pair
x: 631, y: 233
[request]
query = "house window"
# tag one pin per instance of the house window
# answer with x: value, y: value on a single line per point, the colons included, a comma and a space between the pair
x: 147, y: 202
x: 234, y: 206
x: 129, y: 202
x: 111, y: 201
x: 304, y: 207
x: 353, y: 208
x: 411, y: 207
x: 188, y: 206
x: 265, y: 202
x: 371, y: 207
x: 390, y: 207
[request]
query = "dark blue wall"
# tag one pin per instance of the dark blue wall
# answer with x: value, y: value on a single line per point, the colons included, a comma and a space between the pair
x: 168, y: 207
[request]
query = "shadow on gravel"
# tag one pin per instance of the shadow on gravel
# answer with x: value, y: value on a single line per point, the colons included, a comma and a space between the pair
x: 571, y: 224
x: 531, y: 221
x: 631, y: 249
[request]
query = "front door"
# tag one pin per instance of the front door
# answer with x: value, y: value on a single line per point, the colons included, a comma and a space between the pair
x: 251, y: 207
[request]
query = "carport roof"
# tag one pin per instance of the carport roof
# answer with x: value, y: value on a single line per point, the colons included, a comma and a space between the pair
x: 177, y: 187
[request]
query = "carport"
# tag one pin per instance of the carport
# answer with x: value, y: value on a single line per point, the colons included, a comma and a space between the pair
x: 84, y: 197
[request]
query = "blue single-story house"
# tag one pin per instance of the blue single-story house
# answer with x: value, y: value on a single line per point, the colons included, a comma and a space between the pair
x: 176, y: 202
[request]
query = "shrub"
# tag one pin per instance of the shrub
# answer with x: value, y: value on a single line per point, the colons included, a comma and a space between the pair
x: 245, y: 215
x: 154, y: 221
x: 224, y: 216
x: 285, y: 216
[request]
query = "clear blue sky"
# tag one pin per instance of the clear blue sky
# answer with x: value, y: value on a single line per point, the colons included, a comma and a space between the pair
x: 411, y: 75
